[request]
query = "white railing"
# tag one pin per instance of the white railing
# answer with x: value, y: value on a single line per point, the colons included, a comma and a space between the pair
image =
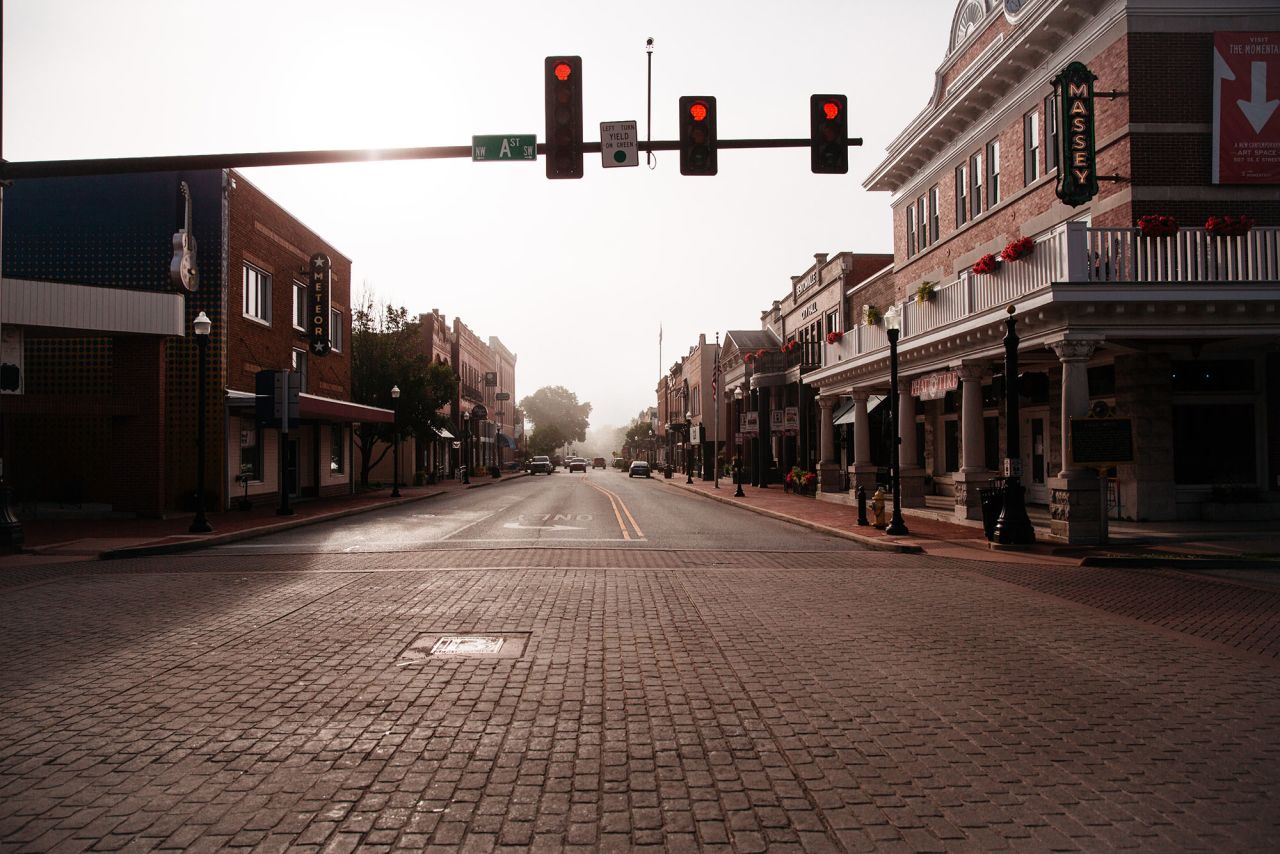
x: 1189, y: 255
x: 1015, y: 279
x: 949, y: 304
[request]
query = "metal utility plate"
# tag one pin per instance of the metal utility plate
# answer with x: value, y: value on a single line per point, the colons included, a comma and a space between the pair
x: 440, y: 645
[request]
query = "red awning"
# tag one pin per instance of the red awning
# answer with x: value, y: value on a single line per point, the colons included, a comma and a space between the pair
x: 341, y: 411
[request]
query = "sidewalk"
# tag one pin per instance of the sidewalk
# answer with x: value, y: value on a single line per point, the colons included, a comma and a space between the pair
x: 67, y: 538
x: 1204, y: 544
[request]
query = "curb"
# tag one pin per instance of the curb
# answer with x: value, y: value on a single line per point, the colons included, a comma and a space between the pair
x: 1182, y: 563
x: 266, y: 530
x: 872, y: 543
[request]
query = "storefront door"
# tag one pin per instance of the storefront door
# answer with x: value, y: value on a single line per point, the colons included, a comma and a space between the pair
x: 1035, y: 455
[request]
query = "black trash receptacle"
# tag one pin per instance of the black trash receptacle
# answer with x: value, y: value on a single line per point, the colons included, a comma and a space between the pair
x: 992, y: 501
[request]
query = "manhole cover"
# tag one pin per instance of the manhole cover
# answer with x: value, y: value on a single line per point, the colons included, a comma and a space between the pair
x: 467, y: 646
x: 439, y: 645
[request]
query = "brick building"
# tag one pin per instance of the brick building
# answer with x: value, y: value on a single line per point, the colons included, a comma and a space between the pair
x: 106, y: 412
x: 1174, y: 331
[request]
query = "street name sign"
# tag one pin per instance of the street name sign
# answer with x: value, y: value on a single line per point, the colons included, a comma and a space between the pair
x: 618, y: 144
x: 504, y: 147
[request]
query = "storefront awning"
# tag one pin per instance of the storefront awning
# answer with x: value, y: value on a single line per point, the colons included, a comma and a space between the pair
x: 844, y: 415
x: 505, y: 441
x: 314, y: 408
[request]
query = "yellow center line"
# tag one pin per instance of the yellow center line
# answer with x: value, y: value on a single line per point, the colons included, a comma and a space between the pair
x: 622, y: 526
x: 616, y: 501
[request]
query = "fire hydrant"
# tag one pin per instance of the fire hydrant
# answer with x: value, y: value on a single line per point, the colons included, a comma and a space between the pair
x: 877, y: 508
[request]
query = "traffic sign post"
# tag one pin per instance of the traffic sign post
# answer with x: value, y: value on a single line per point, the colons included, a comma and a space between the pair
x: 618, y: 144
x: 504, y: 147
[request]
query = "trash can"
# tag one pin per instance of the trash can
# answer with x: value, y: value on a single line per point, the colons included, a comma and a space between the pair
x: 992, y: 501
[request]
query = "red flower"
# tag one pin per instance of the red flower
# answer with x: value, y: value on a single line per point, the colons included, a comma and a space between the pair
x: 986, y: 264
x: 760, y: 354
x: 1229, y: 226
x: 749, y: 357
x: 1020, y: 248
x: 834, y: 337
x: 1157, y: 225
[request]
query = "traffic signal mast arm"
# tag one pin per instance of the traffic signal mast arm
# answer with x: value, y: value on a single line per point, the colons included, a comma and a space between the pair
x: 191, y: 162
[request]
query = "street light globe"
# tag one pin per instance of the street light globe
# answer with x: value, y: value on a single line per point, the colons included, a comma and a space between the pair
x: 395, y: 392
x: 737, y: 392
x: 466, y: 416
x: 688, y: 416
x: 892, y: 318
x: 202, y: 324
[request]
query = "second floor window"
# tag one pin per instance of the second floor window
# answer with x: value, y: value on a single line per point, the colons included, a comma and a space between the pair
x: 335, y: 329
x: 935, y: 215
x: 1050, y: 134
x: 993, y: 173
x: 911, y: 230
x: 257, y: 294
x: 975, y: 185
x: 922, y: 214
x: 300, y: 365
x: 1030, y: 147
x: 962, y: 198
x: 695, y: 400
x: 299, y: 305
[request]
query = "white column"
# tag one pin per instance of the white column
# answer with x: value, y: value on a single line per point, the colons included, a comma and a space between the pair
x: 826, y: 430
x: 907, y: 424
x: 971, y: 433
x: 861, y: 429
x: 1074, y: 355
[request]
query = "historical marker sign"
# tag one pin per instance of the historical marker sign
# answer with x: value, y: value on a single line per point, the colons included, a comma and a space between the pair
x: 1101, y: 442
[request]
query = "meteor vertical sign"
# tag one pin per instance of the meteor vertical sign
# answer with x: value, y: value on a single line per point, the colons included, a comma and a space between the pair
x: 1246, y: 94
x: 318, y: 304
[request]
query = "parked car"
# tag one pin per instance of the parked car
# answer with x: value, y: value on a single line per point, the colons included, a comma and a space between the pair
x: 598, y: 463
x: 541, y: 465
x: 578, y: 464
x: 639, y: 468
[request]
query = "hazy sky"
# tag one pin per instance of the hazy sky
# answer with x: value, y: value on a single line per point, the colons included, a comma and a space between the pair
x: 574, y: 276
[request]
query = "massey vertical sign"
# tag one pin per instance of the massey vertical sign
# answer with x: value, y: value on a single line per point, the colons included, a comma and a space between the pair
x: 1246, y: 94
x: 1078, y: 174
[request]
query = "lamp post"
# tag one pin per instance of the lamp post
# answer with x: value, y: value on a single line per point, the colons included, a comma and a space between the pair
x: 688, y: 453
x: 1013, y: 527
x: 395, y: 429
x: 202, y: 326
x: 893, y: 326
x: 466, y: 447
x: 737, y: 462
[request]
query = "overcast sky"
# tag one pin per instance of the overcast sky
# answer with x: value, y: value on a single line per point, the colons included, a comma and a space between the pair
x: 574, y: 276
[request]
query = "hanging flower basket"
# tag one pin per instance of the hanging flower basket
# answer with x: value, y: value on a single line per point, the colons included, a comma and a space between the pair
x: 1157, y: 225
x: 791, y: 346
x: 871, y: 315
x: 986, y: 265
x: 749, y: 358
x: 760, y: 354
x: 1229, y: 226
x: 834, y: 337
x: 925, y: 292
x: 1018, y: 249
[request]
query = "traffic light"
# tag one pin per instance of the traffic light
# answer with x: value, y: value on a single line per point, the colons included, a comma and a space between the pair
x: 697, y: 135
x: 563, y: 75
x: 828, y: 134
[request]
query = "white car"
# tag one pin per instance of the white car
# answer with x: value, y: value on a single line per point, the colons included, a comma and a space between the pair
x: 639, y: 468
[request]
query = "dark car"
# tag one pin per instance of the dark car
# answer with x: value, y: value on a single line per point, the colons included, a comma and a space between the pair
x: 639, y: 468
x: 578, y: 464
x: 598, y: 463
x: 540, y: 465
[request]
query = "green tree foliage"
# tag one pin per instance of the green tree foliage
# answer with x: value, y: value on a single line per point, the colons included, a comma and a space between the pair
x: 558, y: 418
x: 387, y: 349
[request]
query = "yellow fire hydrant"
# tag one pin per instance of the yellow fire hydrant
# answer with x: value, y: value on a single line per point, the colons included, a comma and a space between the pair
x: 877, y: 508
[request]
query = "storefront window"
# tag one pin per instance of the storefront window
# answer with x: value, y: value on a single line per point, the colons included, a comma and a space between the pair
x: 1214, y: 443
x: 991, y: 442
x: 336, y: 447
x: 250, y: 448
x: 1213, y: 376
x: 951, y: 434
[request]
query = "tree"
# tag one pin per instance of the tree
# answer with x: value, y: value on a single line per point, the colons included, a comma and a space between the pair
x: 558, y: 418
x: 386, y: 351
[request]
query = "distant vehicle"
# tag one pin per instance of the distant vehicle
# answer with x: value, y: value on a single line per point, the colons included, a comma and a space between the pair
x: 598, y: 463
x: 541, y: 465
x: 639, y: 468
x: 556, y: 461
x: 578, y: 464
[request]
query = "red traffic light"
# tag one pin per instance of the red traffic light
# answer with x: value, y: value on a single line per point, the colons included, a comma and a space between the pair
x: 830, y: 109
x: 562, y: 71
x: 698, y: 111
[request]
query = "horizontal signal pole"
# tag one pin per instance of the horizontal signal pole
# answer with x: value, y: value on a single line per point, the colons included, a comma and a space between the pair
x: 252, y: 160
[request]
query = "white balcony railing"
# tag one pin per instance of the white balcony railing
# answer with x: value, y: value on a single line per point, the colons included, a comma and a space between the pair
x: 1075, y: 253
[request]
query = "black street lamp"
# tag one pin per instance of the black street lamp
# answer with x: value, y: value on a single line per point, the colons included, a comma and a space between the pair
x: 688, y: 452
x: 395, y: 455
x: 737, y: 463
x: 202, y: 326
x: 1013, y: 527
x: 893, y: 326
x: 466, y: 447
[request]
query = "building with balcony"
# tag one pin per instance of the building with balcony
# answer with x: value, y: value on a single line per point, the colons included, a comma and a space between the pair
x: 98, y: 331
x: 1173, y: 327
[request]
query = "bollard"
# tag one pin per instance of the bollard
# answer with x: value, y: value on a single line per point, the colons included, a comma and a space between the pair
x: 862, y: 506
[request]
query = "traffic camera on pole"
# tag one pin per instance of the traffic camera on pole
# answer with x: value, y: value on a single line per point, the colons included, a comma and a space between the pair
x: 697, y: 135
x: 828, y: 134
x: 563, y: 79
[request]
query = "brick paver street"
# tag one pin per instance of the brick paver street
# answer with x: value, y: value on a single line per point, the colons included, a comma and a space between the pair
x: 707, y: 700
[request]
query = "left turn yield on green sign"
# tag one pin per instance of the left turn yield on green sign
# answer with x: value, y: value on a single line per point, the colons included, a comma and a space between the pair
x: 504, y: 147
